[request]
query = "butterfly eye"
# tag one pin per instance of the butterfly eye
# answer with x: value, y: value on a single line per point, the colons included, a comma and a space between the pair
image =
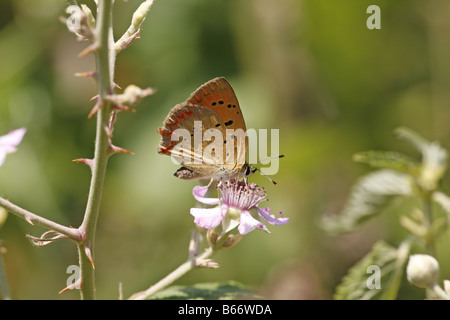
x: 249, y: 171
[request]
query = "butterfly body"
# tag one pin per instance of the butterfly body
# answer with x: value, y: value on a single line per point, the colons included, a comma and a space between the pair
x: 206, y: 134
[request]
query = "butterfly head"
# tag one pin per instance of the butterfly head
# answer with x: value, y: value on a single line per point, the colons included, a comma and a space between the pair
x: 249, y: 170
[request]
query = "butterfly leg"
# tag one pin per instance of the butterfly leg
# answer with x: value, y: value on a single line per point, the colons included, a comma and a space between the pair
x: 210, y: 181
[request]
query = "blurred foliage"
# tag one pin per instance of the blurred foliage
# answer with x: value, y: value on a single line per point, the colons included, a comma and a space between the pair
x: 399, y: 177
x: 308, y: 67
x: 361, y: 282
x: 230, y: 290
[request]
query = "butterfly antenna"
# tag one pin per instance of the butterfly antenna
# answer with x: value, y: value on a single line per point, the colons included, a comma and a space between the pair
x: 265, y: 159
x: 262, y: 160
x: 257, y: 169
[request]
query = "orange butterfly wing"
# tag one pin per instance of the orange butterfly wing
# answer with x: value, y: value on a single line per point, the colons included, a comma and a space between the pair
x: 216, y: 105
x: 218, y: 95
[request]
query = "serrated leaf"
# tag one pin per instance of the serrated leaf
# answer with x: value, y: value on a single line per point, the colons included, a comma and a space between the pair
x: 369, y: 196
x: 388, y: 160
x: 377, y: 276
x: 230, y: 290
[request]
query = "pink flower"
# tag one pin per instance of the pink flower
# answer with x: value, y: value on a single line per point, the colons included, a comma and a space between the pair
x: 237, y: 205
x: 9, y: 142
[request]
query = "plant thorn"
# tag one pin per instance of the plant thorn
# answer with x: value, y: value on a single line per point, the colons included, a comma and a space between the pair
x: 86, y: 74
x: 89, y: 162
x: 123, y: 108
x: 114, y: 149
x: 88, y: 252
x: 75, y: 285
x: 93, y: 47
x: 94, y: 110
x: 28, y: 219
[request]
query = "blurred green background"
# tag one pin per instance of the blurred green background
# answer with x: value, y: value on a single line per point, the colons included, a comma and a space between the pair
x: 310, y: 68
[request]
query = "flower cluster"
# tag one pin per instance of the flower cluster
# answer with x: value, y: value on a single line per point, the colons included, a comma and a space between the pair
x: 237, y: 206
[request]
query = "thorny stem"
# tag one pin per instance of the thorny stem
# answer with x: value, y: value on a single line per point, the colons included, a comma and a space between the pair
x: 106, y: 51
x: 105, y: 57
x: 34, y: 219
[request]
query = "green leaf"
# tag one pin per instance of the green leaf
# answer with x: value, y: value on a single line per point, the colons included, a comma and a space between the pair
x: 434, y: 158
x: 388, y: 160
x: 369, y: 196
x: 377, y: 276
x: 229, y: 290
x: 411, y: 137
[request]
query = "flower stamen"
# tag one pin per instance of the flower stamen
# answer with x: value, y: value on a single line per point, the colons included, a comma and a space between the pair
x: 236, y: 198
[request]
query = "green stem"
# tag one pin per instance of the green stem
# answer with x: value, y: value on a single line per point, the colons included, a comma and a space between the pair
x: 34, y: 219
x: 105, y: 58
x: 189, y: 265
x: 430, y: 241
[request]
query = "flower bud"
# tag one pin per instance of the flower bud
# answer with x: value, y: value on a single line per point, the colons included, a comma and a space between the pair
x: 141, y: 13
x: 232, y: 240
x: 422, y: 270
x: 131, y: 95
x: 79, y: 23
x: 89, y: 16
x: 212, y: 237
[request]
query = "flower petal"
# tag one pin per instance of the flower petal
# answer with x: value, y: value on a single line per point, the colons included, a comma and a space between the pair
x: 199, y: 195
x: 2, y: 156
x: 270, y: 218
x: 208, y: 218
x: 248, y: 223
x: 9, y: 142
x: 12, y: 139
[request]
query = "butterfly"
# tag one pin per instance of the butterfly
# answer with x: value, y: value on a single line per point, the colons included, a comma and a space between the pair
x: 212, y: 111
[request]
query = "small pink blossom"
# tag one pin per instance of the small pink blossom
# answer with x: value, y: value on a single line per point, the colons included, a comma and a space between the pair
x: 9, y: 142
x: 236, y: 199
